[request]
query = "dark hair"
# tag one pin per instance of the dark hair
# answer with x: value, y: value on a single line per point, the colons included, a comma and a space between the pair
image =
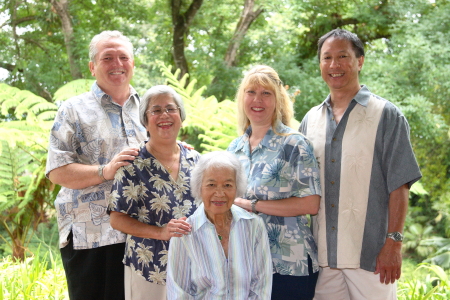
x: 338, y: 33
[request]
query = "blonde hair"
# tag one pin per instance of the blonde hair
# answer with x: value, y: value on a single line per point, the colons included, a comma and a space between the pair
x: 267, y: 78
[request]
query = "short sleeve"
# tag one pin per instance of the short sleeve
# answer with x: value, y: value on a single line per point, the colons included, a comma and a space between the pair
x: 63, y: 140
x: 398, y: 162
x: 303, y: 167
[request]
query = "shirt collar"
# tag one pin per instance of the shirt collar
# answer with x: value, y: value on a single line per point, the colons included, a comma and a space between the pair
x: 101, y: 95
x: 188, y: 154
x: 267, y: 141
x: 201, y: 218
x: 362, y: 97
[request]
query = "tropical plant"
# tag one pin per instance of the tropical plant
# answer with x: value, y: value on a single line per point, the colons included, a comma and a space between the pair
x: 210, y: 125
x: 435, y: 285
x: 25, y: 193
x: 441, y: 256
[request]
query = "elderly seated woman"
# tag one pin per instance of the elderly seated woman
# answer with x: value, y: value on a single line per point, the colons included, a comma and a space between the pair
x: 226, y: 255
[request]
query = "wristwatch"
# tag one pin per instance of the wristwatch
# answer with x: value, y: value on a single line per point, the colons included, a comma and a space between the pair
x: 100, y: 172
x: 396, y: 236
x: 253, y: 202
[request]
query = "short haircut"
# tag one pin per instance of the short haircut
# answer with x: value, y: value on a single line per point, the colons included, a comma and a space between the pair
x: 107, y: 35
x: 217, y: 160
x: 338, y: 33
x: 268, y: 78
x: 155, y: 91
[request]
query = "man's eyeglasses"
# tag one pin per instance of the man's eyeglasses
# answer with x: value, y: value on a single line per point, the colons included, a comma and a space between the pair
x: 158, y: 110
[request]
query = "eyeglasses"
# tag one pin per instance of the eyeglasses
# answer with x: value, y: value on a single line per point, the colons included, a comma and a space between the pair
x: 158, y: 110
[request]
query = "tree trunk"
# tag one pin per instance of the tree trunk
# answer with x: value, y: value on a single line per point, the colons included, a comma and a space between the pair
x: 181, y: 22
x: 247, y: 17
x: 62, y: 9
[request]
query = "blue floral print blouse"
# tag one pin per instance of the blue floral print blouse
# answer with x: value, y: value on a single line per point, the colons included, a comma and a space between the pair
x: 282, y: 166
x: 145, y: 191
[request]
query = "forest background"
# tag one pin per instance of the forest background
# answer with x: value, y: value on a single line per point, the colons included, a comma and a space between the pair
x: 44, y: 60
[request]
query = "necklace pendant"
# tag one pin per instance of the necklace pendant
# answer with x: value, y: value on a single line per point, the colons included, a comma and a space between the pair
x: 220, y: 237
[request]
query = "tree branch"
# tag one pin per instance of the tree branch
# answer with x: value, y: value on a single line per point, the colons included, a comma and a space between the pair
x: 9, y: 67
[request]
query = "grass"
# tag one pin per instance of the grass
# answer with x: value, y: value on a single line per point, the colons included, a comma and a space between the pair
x: 42, y: 277
x: 38, y: 277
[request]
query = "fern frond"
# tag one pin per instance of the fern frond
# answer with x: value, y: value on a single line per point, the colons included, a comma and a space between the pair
x: 73, y: 88
x: 208, y: 122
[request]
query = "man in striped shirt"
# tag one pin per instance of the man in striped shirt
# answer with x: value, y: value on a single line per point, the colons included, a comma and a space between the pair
x: 367, y: 167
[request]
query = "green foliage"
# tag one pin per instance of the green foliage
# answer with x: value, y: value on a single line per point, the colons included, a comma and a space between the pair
x: 25, y: 193
x: 441, y: 257
x: 18, y: 104
x: 426, y: 282
x: 414, y: 236
x: 38, y: 277
x: 210, y: 125
x: 73, y: 88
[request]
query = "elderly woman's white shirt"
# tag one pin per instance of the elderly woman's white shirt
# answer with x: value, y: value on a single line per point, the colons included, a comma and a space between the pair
x: 198, y: 269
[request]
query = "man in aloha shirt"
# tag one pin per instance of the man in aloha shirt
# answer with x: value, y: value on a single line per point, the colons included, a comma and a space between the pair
x: 93, y: 135
x: 145, y: 191
x: 281, y: 167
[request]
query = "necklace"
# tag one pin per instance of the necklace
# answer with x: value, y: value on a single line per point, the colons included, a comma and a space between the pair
x: 169, y: 169
x: 227, y: 223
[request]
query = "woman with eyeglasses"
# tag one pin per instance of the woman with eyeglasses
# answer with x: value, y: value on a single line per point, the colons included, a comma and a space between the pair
x: 150, y: 198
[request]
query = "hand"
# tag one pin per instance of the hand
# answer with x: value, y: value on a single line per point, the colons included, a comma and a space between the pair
x: 121, y: 159
x: 389, y: 262
x: 187, y: 146
x: 175, y: 228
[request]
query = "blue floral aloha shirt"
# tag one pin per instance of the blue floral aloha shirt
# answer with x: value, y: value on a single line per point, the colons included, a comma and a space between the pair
x: 282, y: 166
x: 145, y: 191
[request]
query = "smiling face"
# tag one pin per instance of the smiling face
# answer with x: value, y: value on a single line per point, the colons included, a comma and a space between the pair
x: 167, y: 125
x: 113, y: 66
x: 218, y: 190
x: 259, y: 105
x: 339, y: 65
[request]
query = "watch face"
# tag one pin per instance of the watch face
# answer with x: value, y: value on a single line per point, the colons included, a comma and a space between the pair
x: 396, y: 236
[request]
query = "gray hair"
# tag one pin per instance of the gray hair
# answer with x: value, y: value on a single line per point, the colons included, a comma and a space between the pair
x: 217, y: 160
x: 154, y: 92
x: 107, y: 35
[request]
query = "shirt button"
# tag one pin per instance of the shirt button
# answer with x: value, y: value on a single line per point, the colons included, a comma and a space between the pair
x: 334, y: 139
x: 332, y: 160
x: 334, y: 228
x: 332, y: 205
x: 332, y: 182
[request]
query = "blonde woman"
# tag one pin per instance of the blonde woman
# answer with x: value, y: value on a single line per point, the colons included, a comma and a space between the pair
x: 283, y: 180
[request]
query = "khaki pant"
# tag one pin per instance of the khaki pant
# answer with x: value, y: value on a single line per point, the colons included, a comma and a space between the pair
x: 352, y: 284
x: 137, y: 288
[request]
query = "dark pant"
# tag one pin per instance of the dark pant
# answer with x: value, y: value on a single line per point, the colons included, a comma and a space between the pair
x: 286, y: 287
x: 94, y: 274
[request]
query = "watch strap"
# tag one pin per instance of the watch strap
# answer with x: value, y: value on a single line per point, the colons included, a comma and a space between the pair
x: 253, y: 202
x: 100, y: 172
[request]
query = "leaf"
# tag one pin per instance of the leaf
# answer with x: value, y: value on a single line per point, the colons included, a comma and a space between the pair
x: 73, y: 88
